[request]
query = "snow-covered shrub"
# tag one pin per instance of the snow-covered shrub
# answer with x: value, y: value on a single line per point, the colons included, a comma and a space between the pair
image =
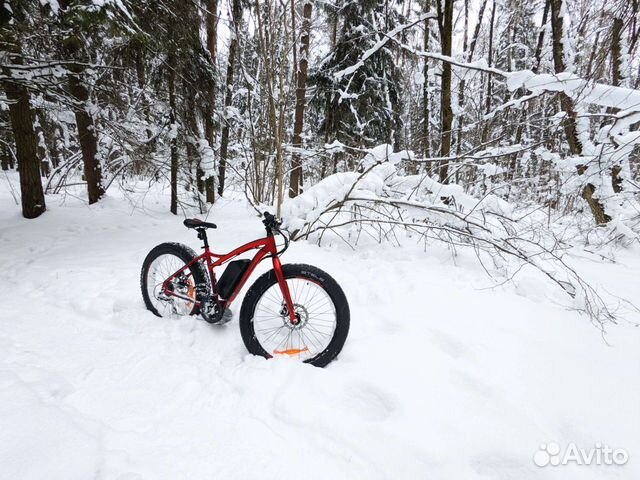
x: 381, y: 202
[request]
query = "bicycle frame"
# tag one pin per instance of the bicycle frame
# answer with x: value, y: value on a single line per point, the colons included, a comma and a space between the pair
x: 266, y: 247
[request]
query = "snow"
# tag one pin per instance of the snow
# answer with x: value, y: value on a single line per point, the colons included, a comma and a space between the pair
x: 53, y: 4
x: 207, y: 158
x: 440, y: 377
x: 381, y: 176
x: 385, y: 153
x: 574, y: 86
x: 577, y: 88
x: 491, y: 169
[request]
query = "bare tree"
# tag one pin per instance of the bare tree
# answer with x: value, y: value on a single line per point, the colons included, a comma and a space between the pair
x: 469, y: 56
x: 236, y: 18
x: 211, y: 20
x: 22, y: 118
x: 569, y: 123
x: 426, y: 111
x: 171, y: 83
x: 295, y: 179
x: 445, y: 25
x: 72, y: 45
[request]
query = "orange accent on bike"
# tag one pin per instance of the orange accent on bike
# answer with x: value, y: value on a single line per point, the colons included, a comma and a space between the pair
x: 291, y: 351
x: 191, y: 293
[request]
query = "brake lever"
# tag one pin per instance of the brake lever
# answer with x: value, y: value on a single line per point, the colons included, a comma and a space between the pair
x: 286, y: 242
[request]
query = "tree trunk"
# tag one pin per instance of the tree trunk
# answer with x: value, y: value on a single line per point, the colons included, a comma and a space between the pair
x: 21, y: 114
x: 616, y: 51
x: 569, y: 123
x: 72, y: 46
x: 330, y: 163
x: 616, y: 80
x: 141, y: 76
x: 295, y: 179
x: 513, y: 161
x: 445, y: 23
x: 233, y: 47
x: 212, y: 47
x: 469, y: 58
x: 426, y: 111
x: 174, y: 139
x: 487, y: 107
x: 212, y: 28
x: 86, y: 136
x: 461, y: 85
x: 22, y: 119
x: 540, y: 44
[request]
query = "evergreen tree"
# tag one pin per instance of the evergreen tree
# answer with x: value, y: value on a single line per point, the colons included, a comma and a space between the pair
x: 363, y: 109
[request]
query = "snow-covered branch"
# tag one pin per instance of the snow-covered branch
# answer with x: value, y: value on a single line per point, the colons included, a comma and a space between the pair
x: 385, y: 204
x: 381, y: 43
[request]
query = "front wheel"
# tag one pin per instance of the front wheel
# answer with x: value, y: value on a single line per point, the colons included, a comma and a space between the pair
x: 321, y: 308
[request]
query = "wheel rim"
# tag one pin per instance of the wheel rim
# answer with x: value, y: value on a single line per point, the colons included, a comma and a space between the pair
x: 161, y: 268
x: 317, y: 320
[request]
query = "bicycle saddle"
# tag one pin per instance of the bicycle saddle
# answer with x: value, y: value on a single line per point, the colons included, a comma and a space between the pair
x: 197, y: 223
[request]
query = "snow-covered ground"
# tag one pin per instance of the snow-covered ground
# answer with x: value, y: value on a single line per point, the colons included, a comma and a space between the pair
x: 441, y: 377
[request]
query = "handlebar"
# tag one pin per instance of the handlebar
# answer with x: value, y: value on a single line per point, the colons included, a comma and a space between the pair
x: 271, y: 222
x: 273, y: 225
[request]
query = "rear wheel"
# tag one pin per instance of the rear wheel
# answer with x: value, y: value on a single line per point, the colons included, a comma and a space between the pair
x: 321, y: 308
x: 162, y: 262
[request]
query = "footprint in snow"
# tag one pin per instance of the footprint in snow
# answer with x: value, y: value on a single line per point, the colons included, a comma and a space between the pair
x: 448, y: 344
x: 369, y: 402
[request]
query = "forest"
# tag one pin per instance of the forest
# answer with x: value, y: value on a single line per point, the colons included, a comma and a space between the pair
x: 535, y: 102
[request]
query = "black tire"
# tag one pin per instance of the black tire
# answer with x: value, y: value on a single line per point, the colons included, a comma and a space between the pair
x: 184, y: 255
x: 303, y: 272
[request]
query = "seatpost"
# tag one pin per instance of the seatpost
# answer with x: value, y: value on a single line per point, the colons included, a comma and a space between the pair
x: 202, y: 235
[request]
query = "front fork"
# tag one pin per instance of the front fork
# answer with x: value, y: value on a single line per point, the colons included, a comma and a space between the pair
x: 284, y: 287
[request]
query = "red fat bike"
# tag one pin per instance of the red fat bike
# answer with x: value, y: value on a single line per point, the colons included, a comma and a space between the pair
x: 293, y: 310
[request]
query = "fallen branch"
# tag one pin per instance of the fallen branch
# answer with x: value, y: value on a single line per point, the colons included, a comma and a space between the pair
x: 378, y: 202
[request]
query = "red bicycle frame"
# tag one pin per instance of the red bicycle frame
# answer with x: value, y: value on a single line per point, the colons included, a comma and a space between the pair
x: 265, y: 246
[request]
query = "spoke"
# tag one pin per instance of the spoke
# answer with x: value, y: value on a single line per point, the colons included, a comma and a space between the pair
x: 324, y: 313
x: 317, y: 303
x: 266, y: 315
x: 278, y: 303
x: 270, y: 329
x: 277, y: 347
x: 312, y: 334
x: 311, y: 292
x: 273, y: 334
x: 294, y: 287
x: 272, y: 296
x: 329, y: 330
x: 315, y: 330
x: 264, y: 308
x: 330, y: 320
x: 267, y: 320
x: 311, y: 341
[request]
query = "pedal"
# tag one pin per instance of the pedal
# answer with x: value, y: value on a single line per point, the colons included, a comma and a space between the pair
x: 227, y: 315
x: 215, y: 316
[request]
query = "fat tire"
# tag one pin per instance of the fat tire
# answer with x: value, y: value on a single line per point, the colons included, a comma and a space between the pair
x: 185, y: 254
x: 319, y: 277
